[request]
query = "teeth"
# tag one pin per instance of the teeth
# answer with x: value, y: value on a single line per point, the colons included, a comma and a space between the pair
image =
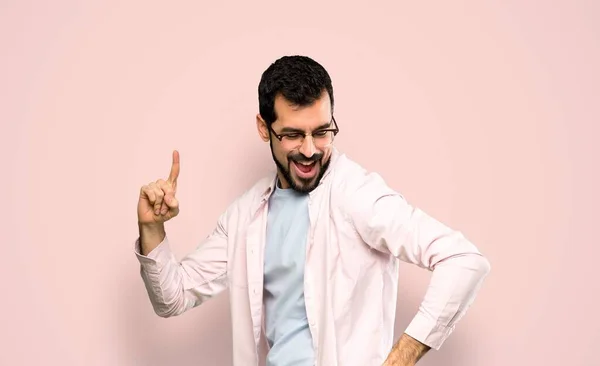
x: 307, y: 164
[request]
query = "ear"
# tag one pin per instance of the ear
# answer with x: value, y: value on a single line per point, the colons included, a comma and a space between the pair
x: 263, y: 130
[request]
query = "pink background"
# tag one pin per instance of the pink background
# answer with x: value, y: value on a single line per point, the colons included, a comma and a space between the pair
x: 483, y: 113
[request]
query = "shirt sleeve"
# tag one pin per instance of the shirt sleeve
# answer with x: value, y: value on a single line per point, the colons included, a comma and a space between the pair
x: 388, y: 223
x: 177, y: 286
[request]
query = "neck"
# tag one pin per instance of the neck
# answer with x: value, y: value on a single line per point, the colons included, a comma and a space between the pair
x: 281, y: 182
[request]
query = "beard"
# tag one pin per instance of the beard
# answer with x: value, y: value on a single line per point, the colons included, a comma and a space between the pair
x: 297, y: 183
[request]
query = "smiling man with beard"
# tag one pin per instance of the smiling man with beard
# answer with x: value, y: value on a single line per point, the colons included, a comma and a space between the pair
x: 310, y: 255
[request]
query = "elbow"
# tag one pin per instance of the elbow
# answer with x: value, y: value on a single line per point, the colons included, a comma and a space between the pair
x: 474, y: 263
x: 166, y: 311
x: 164, y: 314
x: 167, y: 296
x: 483, y: 266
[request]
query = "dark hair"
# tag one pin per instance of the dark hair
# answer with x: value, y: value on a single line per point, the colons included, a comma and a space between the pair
x: 299, y: 79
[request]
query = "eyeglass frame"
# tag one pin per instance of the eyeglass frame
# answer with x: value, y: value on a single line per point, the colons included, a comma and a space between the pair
x: 280, y: 137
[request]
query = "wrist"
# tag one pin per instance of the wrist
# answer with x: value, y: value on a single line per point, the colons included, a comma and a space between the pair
x: 407, y: 352
x: 151, y: 226
x: 151, y: 235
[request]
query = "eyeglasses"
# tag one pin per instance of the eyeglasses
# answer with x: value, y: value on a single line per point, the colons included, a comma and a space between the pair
x: 322, y: 137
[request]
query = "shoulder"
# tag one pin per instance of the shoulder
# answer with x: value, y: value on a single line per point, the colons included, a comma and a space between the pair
x: 357, y: 189
x: 352, y: 179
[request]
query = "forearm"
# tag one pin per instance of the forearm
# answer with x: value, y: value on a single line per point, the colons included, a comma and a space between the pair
x: 406, y: 352
x: 452, y: 289
x: 177, y: 286
x: 453, y: 286
x: 150, y: 236
x: 171, y: 289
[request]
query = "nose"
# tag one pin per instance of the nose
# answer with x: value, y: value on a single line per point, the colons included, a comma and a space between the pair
x: 308, y: 147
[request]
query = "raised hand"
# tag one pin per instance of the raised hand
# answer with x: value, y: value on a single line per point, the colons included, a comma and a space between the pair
x: 157, y: 202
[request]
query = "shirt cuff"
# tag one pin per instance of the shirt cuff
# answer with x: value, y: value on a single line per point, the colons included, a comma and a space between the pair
x: 158, y: 256
x: 427, y: 331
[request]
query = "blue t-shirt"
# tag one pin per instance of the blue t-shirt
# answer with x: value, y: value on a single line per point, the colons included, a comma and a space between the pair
x: 286, y: 323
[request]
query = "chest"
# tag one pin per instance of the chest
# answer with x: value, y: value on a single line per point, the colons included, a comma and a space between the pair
x: 286, y: 233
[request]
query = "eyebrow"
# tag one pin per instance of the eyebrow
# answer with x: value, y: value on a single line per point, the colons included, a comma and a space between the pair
x: 291, y: 129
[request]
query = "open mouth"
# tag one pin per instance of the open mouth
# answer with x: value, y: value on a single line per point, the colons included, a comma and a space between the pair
x: 305, y: 170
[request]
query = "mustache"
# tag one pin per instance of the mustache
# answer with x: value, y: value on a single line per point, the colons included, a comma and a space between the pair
x: 299, y: 158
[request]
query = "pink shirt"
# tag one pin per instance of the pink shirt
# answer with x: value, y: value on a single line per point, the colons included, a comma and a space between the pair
x: 359, y: 229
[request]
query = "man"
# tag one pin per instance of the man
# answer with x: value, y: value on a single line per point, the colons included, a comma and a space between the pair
x: 310, y: 255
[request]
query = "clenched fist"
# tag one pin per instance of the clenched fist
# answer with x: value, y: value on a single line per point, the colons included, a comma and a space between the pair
x: 157, y: 202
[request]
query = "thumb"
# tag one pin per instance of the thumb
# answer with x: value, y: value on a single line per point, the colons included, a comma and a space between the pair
x: 171, y: 202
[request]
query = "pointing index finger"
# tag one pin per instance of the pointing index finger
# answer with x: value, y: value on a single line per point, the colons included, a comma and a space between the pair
x: 174, y: 168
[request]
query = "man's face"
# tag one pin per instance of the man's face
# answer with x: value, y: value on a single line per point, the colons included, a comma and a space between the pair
x: 300, y: 164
